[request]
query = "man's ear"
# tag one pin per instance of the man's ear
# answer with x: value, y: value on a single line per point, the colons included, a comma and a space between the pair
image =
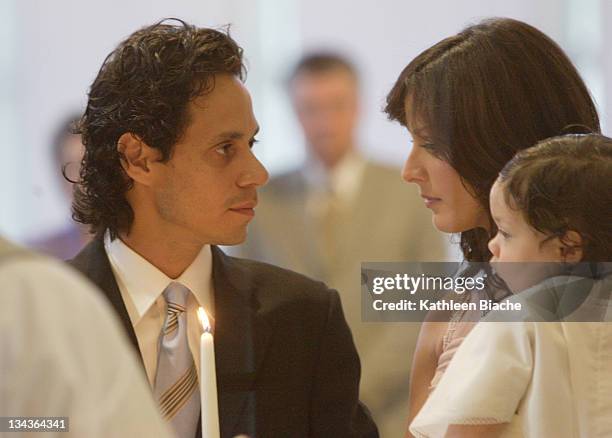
x: 137, y: 157
x: 571, y: 247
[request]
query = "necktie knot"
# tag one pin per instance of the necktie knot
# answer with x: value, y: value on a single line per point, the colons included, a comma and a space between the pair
x: 176, y: 294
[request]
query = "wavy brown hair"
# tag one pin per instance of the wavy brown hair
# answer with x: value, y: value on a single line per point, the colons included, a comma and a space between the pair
x: 144, y: 87
x: 563, y: 184
x: 482, y: 95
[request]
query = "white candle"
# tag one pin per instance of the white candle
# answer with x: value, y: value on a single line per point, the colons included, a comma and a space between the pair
x: 208, y: 380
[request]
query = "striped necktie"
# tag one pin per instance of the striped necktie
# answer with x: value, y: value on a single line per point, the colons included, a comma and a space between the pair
x: 176, y: 381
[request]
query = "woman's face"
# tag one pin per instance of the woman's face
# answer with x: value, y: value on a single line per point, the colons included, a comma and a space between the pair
x: 454, y: 208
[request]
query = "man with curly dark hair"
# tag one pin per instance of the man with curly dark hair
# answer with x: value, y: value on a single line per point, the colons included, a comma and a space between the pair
x: 168, y: 174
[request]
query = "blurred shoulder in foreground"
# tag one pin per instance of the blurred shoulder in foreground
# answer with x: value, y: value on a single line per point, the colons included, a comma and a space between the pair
x: 63, y: 353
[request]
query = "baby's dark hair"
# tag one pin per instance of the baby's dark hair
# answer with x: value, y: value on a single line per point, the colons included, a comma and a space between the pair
x: 565, y: 184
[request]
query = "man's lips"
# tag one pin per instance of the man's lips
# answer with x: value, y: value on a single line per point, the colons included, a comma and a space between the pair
x: 246, y: 208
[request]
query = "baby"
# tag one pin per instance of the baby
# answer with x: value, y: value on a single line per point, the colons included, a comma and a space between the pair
x: 551, y: 203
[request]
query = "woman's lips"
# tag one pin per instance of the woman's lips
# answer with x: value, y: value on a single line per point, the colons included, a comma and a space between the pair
x: 430, y: 200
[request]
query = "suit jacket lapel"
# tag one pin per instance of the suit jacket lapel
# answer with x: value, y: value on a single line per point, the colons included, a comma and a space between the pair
x: 241, y: 337
x: 241, y: 334
x: 93, y: 262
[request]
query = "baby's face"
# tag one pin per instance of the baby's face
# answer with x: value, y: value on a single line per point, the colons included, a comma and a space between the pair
x: 516, y: 241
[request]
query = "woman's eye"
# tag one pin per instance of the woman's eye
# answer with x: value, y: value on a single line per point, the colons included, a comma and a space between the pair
x: 433, y: 150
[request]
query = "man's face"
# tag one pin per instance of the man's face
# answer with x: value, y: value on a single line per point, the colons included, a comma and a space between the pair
x: 206, y: 192
x: 326, y: 104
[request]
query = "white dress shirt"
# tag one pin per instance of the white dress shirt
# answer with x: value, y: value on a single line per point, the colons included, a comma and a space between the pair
x: 141, y: 285
x: 63, y: 353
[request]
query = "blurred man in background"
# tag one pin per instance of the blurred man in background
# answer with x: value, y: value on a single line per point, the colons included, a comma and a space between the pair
x: 340, y: 209
x: 68, y: 152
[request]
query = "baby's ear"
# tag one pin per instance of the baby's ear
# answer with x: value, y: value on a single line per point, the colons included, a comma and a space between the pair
x: 571, y: 247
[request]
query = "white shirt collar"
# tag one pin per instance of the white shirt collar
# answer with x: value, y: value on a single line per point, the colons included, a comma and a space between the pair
x: 145, y: 283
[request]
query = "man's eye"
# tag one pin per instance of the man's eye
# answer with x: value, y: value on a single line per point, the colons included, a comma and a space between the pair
x: 253, y: 142
x: 224, y: 150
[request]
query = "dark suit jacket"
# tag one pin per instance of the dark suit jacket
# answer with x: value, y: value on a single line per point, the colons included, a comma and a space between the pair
x: 285, y: 358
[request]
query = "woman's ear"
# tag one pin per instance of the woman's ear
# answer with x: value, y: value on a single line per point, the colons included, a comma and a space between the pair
x: 571, y: 247
x: 136, y: 157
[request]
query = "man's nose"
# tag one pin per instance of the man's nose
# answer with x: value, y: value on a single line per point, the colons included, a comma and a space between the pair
x: 255, y: 175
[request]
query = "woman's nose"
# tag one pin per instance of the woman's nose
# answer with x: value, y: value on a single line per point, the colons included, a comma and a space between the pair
x: 413, y: 171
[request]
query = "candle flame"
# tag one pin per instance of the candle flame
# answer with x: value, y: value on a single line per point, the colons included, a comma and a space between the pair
x: 203, y: 317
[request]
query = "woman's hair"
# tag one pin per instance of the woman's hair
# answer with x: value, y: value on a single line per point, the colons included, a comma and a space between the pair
x: 144, y: 87
x: 482, y: 95
x: 564, y: 184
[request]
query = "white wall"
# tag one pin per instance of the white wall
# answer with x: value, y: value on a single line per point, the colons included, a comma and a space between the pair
x: 10, y: 176
x: 605, y: 14
x: 58, y: 48
x: 53, y: 49
x: 384, y: 35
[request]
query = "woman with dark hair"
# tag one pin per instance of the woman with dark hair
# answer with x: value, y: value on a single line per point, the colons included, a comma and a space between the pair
x: 470, y: 102
x: 552, y: 204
